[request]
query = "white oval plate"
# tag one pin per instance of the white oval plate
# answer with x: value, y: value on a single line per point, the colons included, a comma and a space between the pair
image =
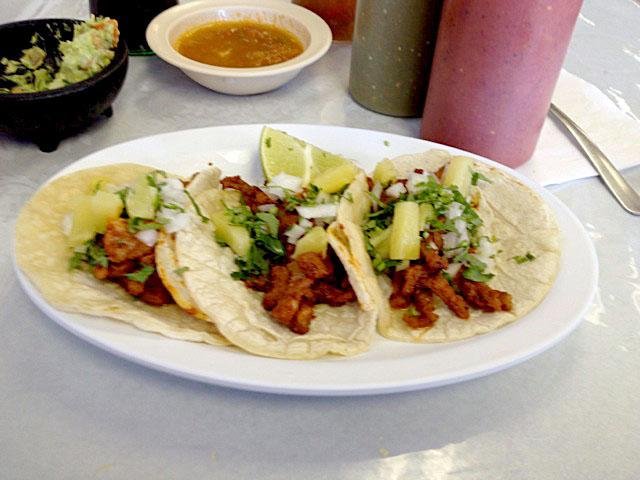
x: 389, y: 366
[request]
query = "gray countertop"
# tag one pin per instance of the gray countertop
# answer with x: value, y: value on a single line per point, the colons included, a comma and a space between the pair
x: 71, y: 410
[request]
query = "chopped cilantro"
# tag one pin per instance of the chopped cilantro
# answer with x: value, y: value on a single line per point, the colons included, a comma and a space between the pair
x: 475, y: 273
x: 137, y: 224
x: 141, y: 275
x: 75, y: 262
x: 203, y: 218
x: 267, y: 142
x: 527, y: 257
x: 386, y: 143
x: 442, y: 226
x: 381, y: 265
x: 309, y: 198
x: 263, y: 228
x: 152, y: 178
x: 123, y: 194
x: 474, y: 267
x: 173, y: 206
x: 90, y: 253
x: 475, y: 176
x: 181, y: 270
x: 253, y: 264
x: 270, y: 221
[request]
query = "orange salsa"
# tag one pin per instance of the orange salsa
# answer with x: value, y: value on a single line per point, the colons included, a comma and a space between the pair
x: 238, y: 44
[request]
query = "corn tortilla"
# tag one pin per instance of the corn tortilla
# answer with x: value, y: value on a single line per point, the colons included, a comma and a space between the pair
x: 42, y: 253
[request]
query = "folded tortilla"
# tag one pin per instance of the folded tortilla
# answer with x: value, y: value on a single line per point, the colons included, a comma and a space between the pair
x: 512, y: 212
x: 237, y: 310
x: 42, y: 253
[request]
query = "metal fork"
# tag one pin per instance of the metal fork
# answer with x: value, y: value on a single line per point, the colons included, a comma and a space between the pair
x: 621, y: 190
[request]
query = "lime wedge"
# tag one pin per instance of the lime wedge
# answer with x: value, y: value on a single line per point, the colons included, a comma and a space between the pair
x: 281, y: 152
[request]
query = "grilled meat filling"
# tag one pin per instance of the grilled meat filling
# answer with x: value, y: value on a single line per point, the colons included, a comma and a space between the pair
x: 416, y: 286
x: 127, y: 255
x: 292, y: 287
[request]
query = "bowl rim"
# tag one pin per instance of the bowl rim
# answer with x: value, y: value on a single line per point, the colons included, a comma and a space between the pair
x: 120, y: 57
x: 319, y: 32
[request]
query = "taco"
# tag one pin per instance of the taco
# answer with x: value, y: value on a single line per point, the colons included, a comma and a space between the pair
x: 88, y: 242
x: 447, y: 247
x: 264, y: 270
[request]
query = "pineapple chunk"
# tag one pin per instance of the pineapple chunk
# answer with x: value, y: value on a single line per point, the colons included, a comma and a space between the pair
x: 236, y: 236
x: 226, y: 199
x: 427, y: 213
x: 106, y: 207
x: 315, y: 240
x: 333, y: 180
x: 142, y: 200
x: 404, y: 242
x: 381, y: 242
x: 385, y: 172
x: 231, y: 198
x: 458, y: 173
x: 82, y: 221
x: 90, y: 215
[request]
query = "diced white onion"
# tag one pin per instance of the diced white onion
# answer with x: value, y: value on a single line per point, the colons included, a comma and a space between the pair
x: 454, y: 211
x: 461, y: 227
x: 287, y: 182
x: 148, y: 237
x: 319, y: 211
x: 415, y: 179
x: 294, y: 233
x: 266, y: 207
x: 304, y: 223
x: 67, y: 224
x: 485, y: 252
x: 395, y: 190
x: 172, y: 191
x: 275, y: 192
x: 450, y: 241
x: 453, y: 268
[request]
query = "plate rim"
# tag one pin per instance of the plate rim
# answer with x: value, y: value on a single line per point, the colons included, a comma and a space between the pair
x: 66, y: 320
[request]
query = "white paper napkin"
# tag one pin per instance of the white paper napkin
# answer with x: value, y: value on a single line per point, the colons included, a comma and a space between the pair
x: 557, y: 159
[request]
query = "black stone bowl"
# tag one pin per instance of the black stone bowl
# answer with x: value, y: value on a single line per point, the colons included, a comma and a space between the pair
x: 47, y: 117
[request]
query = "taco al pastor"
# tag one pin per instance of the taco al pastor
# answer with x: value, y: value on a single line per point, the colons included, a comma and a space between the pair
x: 88, y: 242
x: 447, y: 247
x: 269, y: 276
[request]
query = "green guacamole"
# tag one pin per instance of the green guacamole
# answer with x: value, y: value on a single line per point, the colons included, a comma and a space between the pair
x: 89, y: 51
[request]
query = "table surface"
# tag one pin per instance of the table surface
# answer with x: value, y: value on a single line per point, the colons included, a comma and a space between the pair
x: 71, y: 410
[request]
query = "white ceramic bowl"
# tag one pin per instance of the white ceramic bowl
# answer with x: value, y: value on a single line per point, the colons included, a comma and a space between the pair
x: 312, y: 31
